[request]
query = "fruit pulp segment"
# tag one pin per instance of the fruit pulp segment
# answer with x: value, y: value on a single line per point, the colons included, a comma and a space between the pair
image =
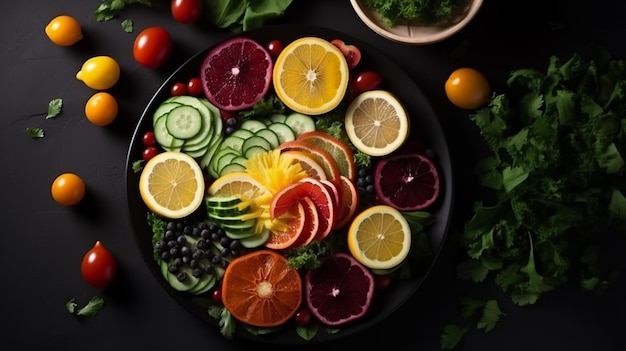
x: 173, y: 184
x: 381, y: 237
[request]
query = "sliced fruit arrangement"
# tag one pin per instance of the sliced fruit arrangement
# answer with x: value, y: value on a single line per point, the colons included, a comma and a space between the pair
x: 283, y: 181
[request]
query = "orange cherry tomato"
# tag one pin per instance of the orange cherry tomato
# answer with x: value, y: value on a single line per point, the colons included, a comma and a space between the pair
x: 68, y: 189
x: 101, y: 108
x: 467, y: 88
x: 64, y: 30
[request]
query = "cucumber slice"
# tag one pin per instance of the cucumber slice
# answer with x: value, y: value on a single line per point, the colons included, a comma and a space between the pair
x: 239, y: 236
x: 268, y: 135
x: 253, y: 150
x: 300, y: 123
x: 282, y: 131
x: 225, y: 160
x: 256, y: 141
x: 233, y: 167
x: 234, y: 142
x: 184, y: 122
x: 163, y: 109
x: 242, y: 133
x: 208, y: 156
x: 205, y: 283
x: 255, y: 240
x: 166, y: 140
x: 277, y: 118
x: 222, y: 201
x: 252, y: 125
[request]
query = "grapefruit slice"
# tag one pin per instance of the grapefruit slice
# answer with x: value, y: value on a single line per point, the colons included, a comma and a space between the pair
x: 407, y: 182
x: 261, y: 289
x: 313, y: 189
x: 236, y: 74
x: 349, y: 202
x: 321, y: 156
x: 283, y: 238
x: 338, y: 149
x: 340, y: 290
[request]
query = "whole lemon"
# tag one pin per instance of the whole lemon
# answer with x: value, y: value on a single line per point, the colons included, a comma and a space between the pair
x: 64, y: 30
x: 99, y: 72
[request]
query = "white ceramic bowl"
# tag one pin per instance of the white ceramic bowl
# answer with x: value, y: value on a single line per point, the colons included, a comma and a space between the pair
x: 413, y: 33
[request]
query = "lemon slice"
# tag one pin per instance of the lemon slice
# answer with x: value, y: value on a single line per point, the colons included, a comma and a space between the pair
x: 377, y: 122
x: 379, y: 237
x: 311, y: 76
x: 239, y: 184
x: 172, y: 184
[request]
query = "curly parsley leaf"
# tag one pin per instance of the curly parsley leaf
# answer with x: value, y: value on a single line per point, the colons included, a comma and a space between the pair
x: 425, y: 11
x: 54, y: 108
x: 34, y: 132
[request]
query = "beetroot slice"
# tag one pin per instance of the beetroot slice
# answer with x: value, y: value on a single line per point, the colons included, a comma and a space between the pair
x: 340, y: 290
x: 408, y: 182
x: 236, y: 74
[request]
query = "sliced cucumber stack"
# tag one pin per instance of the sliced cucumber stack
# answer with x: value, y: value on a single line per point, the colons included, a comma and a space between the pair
x: 256, y: 136
x: 237, y: 220
x: 188, y: 124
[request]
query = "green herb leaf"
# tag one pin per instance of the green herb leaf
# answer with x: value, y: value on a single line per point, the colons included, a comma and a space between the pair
x: 425, y: 11
x: 108, y: 9
x: 239, y: 16
x: 34, y: 132
x: 491, y: 316
x: 92, y: 308
x: 138, y: 165
x: 54, y: 108
x: 451, y: 336
x: 127, y: 26
x: 226, y: 321
x: 308, y: 332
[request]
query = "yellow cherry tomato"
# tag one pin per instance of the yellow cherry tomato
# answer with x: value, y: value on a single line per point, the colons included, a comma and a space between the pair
x: 68, y: 189
x: 101, y: 108
x: 99, y: 72
x: 64, y: 30
x: 467, y: 88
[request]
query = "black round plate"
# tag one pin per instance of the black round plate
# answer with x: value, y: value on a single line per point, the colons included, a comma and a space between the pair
x: 424, y: 124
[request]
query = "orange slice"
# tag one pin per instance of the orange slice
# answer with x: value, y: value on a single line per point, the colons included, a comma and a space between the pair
x: 311, y: 76
x: 260, y: 289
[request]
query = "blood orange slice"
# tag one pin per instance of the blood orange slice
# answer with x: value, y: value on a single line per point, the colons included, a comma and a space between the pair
x: 407, y: 182
x: 261, y: 289
x: 236, y: 74
x: 295, y: 220
x: 321, y: 156
x: 340, y: 290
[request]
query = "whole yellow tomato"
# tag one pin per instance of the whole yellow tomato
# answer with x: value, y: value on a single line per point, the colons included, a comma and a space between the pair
x: 467, y: 88
x: 99, y: 72
x: 101, y: 108
x: 64, y: 30
x: 68, y: 189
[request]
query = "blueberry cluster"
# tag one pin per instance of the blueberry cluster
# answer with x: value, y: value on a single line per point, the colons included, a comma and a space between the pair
x: 200, y: 246
x: 231, y: 125
x: 365, y: 184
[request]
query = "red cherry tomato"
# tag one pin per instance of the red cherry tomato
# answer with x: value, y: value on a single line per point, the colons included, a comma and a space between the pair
x: 216, y: 296
x: 274, y: 47
x: 149, y: 152
x: 382, y: 282
x: 366, y: 80
x: 148, y: 138
x: 98, y: 267
x: 194, y: 86
x: 186, y: 11
x: 303, y: 317
x: 178, y: 89
x: 152, y: 47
